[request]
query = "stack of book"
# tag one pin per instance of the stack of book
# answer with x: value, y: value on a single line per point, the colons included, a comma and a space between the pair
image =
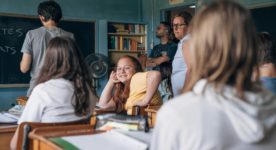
x: 124, y: 122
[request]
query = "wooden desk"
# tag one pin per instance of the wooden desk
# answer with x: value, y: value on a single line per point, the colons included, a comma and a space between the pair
x: 41, y: 135
x: 22, y: 100
x: 150, y: 111
x: 6, y: 133
x: 7, y: 130
x: 99, y: 111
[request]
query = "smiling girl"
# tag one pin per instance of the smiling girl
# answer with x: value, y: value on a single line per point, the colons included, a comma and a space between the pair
x: 129, y: 86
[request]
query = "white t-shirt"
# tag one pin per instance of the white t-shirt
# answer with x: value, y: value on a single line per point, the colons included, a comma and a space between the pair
x: 50, y: 102
x: 179, y: 68
x: 35, y: 44
x: 208, y: 120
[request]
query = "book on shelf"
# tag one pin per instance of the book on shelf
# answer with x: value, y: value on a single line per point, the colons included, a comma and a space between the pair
x: 136, y: 28
x: 129, y: 28
x: 124, y: 43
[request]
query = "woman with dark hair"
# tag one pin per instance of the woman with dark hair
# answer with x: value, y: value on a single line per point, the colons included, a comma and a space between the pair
x: 128, y: 86
x: 63, y: 91
x: 222, y: 108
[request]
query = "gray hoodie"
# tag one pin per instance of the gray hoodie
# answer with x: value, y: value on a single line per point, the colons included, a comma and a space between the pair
x: 206, y: 119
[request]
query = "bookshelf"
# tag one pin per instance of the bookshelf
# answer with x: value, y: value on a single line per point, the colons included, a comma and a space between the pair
x: 126, y: 39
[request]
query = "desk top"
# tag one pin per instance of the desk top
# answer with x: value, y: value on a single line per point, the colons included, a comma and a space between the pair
x: 4, y: 128
x: 135, y: 140
x: 53, y: 136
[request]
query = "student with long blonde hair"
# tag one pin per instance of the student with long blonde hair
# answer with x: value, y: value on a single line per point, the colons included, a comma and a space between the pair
x: 221, y: 107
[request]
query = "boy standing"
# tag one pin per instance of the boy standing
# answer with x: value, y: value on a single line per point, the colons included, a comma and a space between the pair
x: 36, y: 40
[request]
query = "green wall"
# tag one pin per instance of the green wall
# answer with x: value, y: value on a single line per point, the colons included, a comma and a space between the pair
x: 95, y: 10
x: 88, y: 10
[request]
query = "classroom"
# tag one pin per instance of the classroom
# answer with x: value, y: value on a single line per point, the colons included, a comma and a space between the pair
x: 136, y: 62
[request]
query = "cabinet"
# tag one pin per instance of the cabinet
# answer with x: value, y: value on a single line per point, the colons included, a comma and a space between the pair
x: 125, y: 39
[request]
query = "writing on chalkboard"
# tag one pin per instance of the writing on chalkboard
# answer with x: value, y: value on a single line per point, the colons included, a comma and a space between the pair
x: 7, y: 49
x: 13, y: 30
x: 6, y: 33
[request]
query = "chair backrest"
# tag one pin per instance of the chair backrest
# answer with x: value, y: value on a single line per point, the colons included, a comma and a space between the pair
x: 40, y: 135
x: 138, y: 110
x: 24, y: 143
x: 22, y: 100
x: 151, y: 113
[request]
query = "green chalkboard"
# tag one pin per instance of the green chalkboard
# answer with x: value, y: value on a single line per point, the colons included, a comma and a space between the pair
x: 265, y: 20
x: 13, y: 29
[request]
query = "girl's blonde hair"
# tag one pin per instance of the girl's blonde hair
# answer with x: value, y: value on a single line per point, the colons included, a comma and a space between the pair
x: 223, y: 47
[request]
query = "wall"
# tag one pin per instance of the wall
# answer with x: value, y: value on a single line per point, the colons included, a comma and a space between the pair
x: 121, y: 10
x: 92, y: 10
x: 88, y: 10
x: 154, y: 7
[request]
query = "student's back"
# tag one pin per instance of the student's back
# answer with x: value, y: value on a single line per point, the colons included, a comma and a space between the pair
x: 222, y: 108
x: 63, y: 91
x: 211, y: 121
x: 40, y: 38
x: 51, y: 102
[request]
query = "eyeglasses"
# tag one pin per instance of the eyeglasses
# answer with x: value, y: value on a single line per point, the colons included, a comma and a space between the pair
x: 178, y: 26
x: 125, y: 68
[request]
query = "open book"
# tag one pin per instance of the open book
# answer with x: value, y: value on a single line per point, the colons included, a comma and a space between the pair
x: 102, y: 141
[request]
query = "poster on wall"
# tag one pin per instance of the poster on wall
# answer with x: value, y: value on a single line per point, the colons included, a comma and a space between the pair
x: 172, y: 2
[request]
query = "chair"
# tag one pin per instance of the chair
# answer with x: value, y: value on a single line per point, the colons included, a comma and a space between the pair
x: 138, y: 110
x: 151, y: 113
x: 22, y: 100
x: 25, y: 128
x: 99, y: 111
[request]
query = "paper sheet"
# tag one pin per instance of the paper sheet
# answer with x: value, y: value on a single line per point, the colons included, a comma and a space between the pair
x: 7, y: 118
x: 106, y: 141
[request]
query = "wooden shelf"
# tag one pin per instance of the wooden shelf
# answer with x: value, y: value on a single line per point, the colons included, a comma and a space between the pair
x: 127, y: 34
x: 127, y: 51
